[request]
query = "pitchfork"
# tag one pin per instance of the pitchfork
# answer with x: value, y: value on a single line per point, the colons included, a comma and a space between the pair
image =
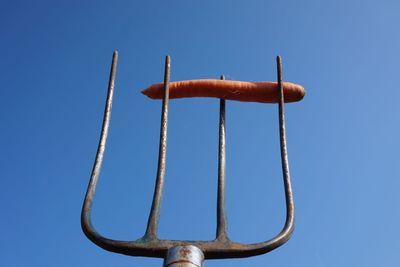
x: 181, y: 253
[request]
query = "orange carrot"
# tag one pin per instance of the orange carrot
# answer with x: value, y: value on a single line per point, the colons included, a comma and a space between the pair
x: 264, y: 92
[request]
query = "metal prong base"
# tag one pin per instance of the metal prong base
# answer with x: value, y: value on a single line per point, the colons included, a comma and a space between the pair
x: 184, y: 256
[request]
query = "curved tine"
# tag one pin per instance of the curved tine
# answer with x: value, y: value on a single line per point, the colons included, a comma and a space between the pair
x: 88, y: 229
x: 87, y: 204
x: 288, y: 228
x: 249, y: 250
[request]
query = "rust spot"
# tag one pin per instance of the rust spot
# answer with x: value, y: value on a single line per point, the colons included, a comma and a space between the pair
x: 185, y: 252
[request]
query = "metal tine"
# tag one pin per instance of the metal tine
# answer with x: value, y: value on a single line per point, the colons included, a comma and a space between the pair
x: 152, y: 224
x: 287, y: 230
x: 221, y: 234
x: 87, y: 204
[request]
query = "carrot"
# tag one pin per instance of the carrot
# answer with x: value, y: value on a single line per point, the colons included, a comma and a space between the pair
x: 264, y: 92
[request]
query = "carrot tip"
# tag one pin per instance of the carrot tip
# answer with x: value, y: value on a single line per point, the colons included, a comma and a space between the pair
x: 144, y: 92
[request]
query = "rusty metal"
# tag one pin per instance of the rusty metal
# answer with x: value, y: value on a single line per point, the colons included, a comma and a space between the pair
x: 150, y: 245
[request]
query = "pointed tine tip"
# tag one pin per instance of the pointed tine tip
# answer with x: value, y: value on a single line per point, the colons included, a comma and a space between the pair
x: 278, y: 59
x: 222, y: 77
x: 115, y: 54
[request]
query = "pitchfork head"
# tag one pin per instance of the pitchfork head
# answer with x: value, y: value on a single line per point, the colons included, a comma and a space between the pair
x: 177, y: 251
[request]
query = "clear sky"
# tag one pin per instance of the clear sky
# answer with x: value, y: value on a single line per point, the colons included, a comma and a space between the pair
x: 343, y: 138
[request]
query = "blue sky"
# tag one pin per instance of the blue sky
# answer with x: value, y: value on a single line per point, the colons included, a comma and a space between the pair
x: 342, y: 138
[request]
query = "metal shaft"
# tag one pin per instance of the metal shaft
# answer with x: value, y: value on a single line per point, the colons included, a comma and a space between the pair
x: 184, y: 256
